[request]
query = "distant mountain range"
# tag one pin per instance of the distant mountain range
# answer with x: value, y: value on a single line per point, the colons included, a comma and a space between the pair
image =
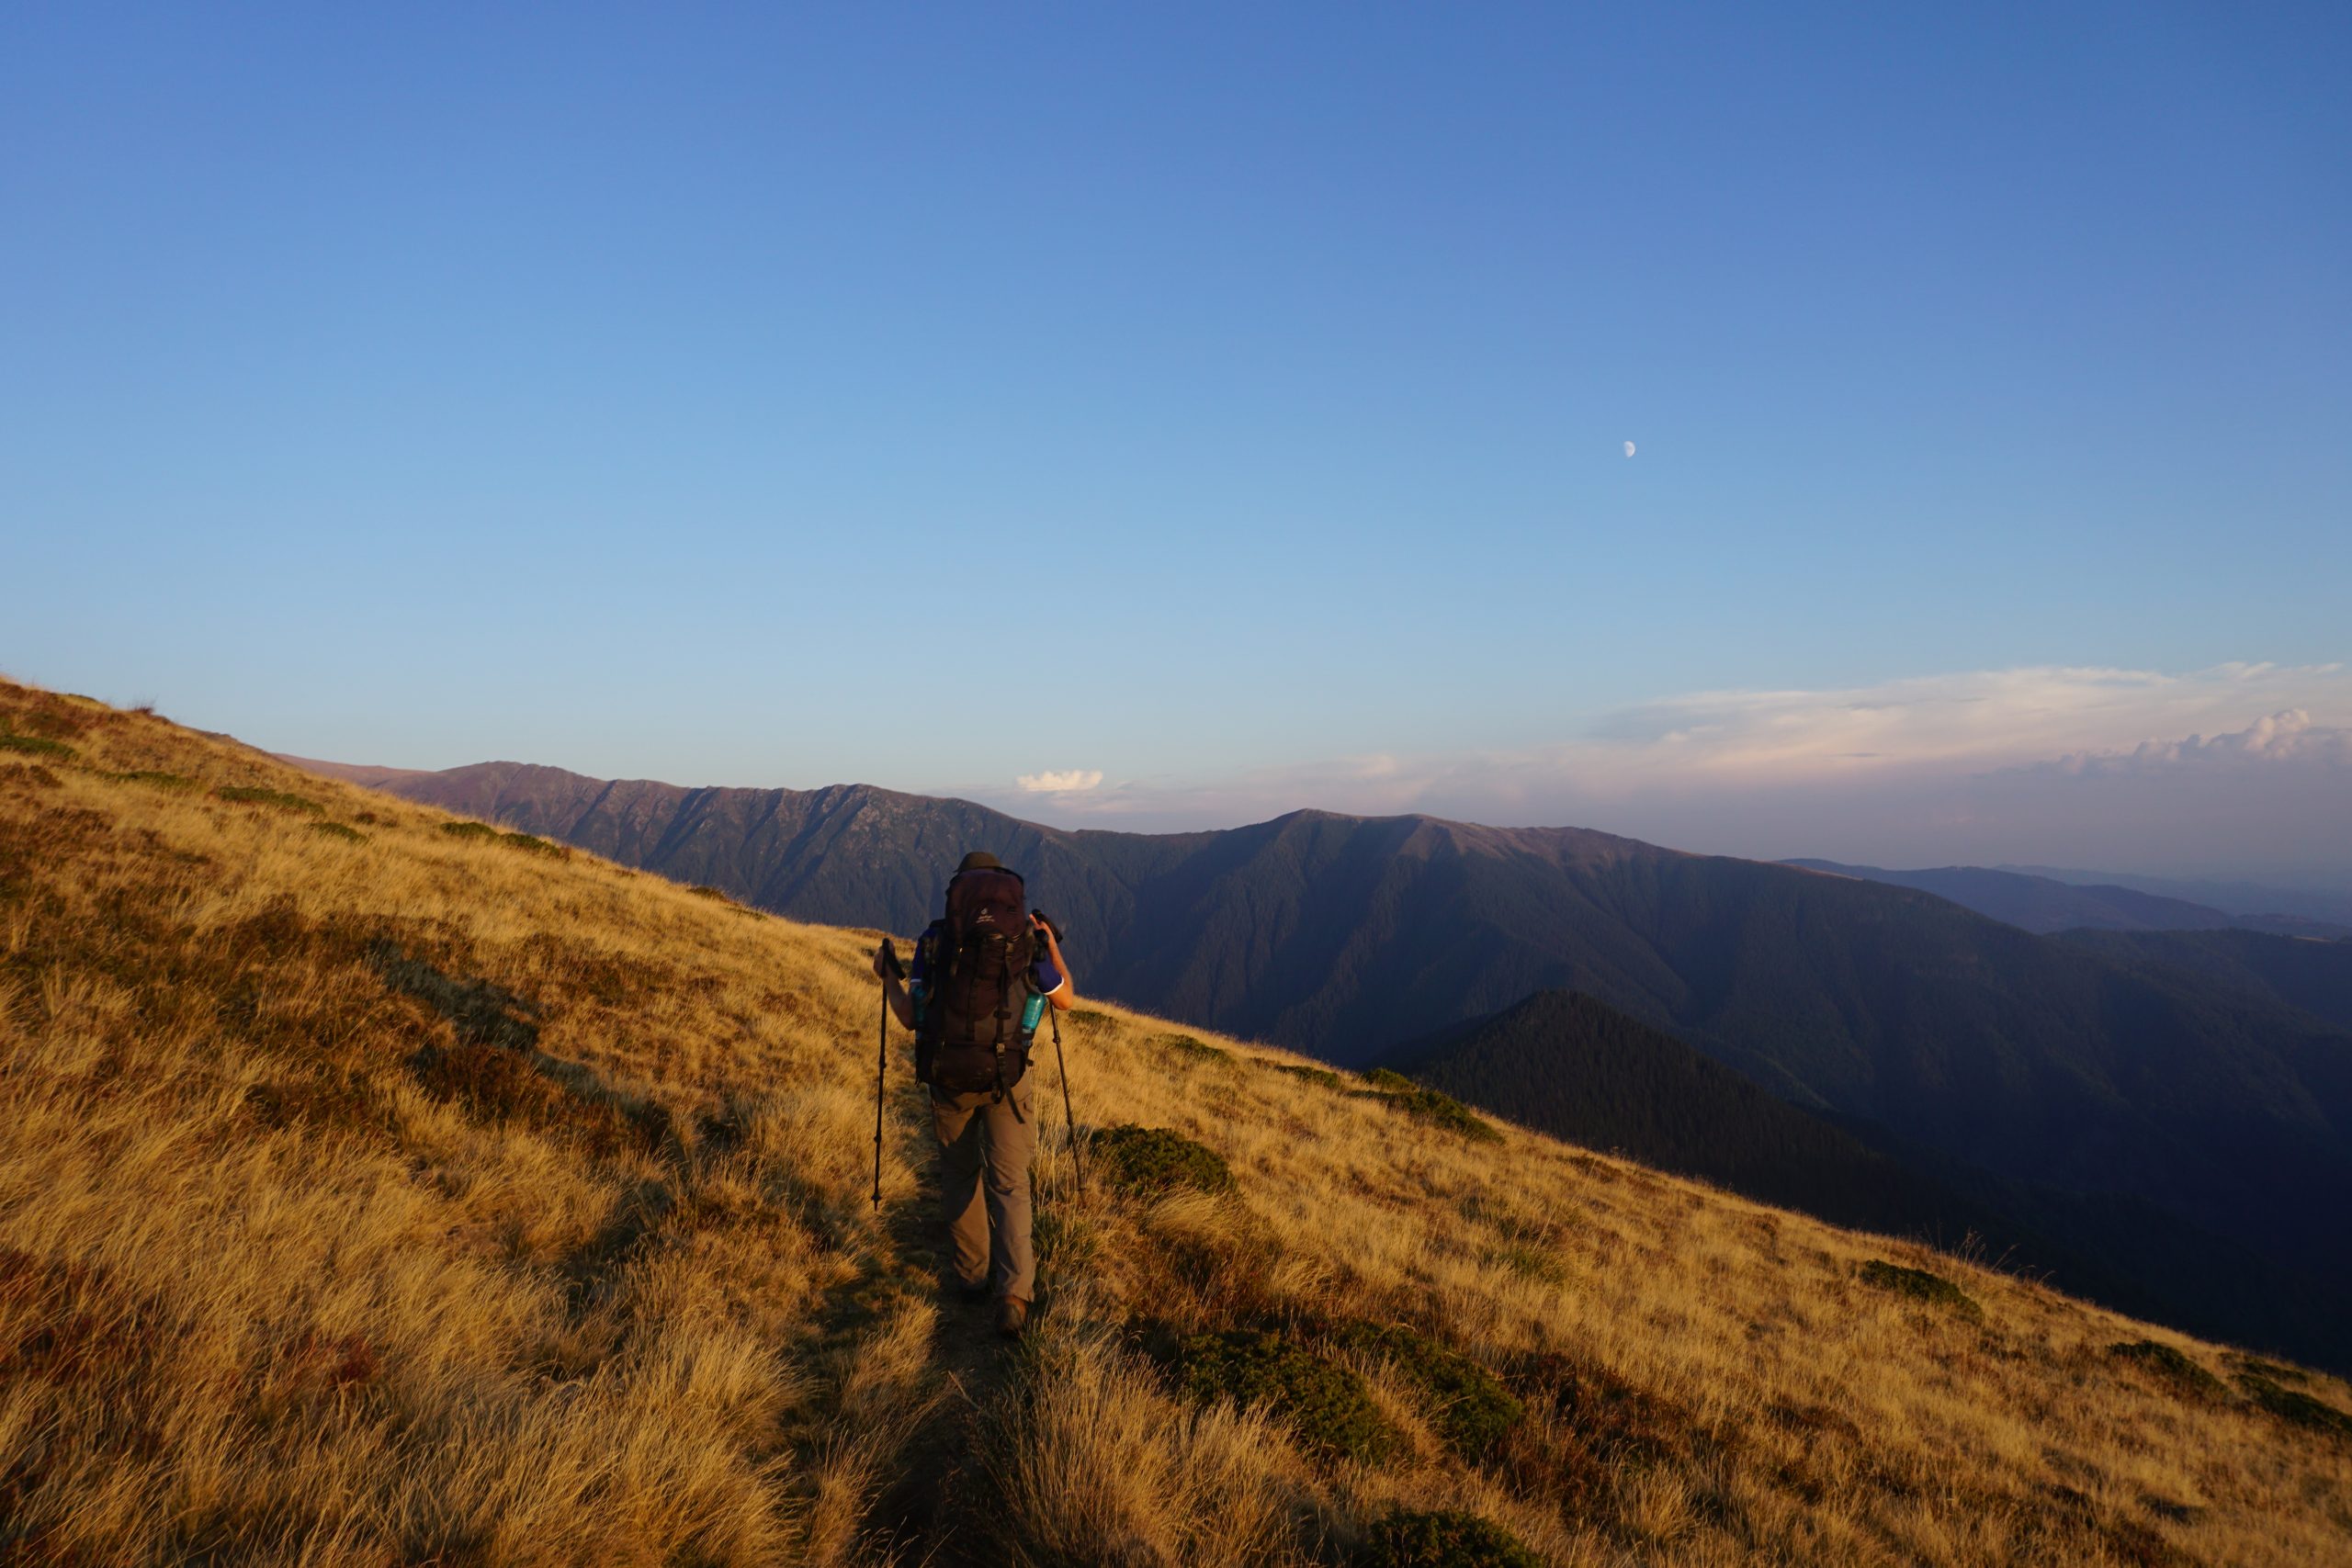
x: 2121, y: 1073
x: 2234, y: 898
x: 2046, y: 904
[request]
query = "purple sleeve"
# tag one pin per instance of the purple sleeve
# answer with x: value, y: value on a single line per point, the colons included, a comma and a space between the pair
x: 1045, y: 976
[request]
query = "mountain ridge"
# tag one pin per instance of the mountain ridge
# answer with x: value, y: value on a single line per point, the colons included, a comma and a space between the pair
x: 2045, y: 905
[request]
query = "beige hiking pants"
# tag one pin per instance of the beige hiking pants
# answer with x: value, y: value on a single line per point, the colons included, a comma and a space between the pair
x: 984, y: 1153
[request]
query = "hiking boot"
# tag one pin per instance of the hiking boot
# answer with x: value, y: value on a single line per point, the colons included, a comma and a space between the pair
x: 1012, y: 1317
x: 972, y: 1293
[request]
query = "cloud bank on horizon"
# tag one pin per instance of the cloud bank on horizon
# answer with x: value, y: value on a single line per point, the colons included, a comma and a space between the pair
x: 1074, y: 781
x: 2239, y: 770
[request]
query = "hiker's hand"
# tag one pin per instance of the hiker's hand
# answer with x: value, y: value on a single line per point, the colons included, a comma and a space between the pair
x: 886, y: 963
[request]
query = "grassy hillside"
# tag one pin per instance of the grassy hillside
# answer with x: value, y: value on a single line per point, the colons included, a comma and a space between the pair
x: 380, y: 1189
x: 1569, y: 1065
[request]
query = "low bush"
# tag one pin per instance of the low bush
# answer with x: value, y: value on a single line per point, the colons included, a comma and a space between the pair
x: 1442, y: 1538
x: 1440, y: 1110
x: 2294, y: 1407
x: 1444, y: 1110
x: 1089, y: 1015
x: 2277, y: 1372
x: 1473, y: 1412
x: 34, y: 745
x: 253, y: 795
x: 470, y: 830
x: 532, y: 844
x: 175, y: 783
x: 1323, y: 1076
x: 2169, y: 1364
x: 1184, y: 1045
x: 1148, y: 1161
x: 1920, y: 1286
x: 337, y: 831
x: 1324, y: 1405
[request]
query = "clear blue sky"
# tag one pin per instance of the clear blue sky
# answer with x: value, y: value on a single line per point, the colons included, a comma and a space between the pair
x: 681, y: 395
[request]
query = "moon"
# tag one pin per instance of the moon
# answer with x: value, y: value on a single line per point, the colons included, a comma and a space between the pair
x: 1629, y: 448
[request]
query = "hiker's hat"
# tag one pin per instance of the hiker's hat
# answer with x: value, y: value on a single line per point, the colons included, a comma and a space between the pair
x: 979, y: 860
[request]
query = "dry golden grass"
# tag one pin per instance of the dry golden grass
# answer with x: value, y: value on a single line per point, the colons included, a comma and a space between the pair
x: 418, y: 1197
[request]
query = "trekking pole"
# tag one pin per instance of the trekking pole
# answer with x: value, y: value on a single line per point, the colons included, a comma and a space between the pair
x: 1062, y: 1068
x: 882, y: 1064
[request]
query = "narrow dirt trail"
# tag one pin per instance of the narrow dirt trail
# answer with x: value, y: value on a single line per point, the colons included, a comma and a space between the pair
x: 927, y: 1514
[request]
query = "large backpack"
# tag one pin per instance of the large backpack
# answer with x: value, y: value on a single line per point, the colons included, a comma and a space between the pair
x: 978, y: 968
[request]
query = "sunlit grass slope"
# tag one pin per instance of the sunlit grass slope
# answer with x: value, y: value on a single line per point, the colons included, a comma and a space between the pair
x: 375, y: 1189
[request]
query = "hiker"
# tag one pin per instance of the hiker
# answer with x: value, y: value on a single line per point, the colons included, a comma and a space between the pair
x: 981, y: 977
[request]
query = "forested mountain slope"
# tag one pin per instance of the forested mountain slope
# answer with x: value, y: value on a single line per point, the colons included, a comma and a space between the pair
x: 1569, y: 1065
x: 380, y: 1188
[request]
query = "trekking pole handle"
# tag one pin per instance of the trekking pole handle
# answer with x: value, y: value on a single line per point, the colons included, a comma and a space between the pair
x: 1047, y: 920
x: 890, y: 960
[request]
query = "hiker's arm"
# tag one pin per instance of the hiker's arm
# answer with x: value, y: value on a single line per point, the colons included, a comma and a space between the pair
x: 1064, y: 995
x: 894, y: 991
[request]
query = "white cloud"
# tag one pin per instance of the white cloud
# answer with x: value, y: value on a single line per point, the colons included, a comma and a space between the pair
x: 1978, y: 720
x: 2065, y: 766
x: 1070, y: 782
x: 2280, y: 739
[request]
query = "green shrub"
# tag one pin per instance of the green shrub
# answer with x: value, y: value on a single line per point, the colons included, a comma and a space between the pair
x: 531, y: 844
x: 34, y: 745
x: 470, y: 830
x: 253, y: 795
x: 2277, y: 1372
x: 1444, y: 1110
x: 1473, y: 1411
x: 718, y: 893
x: 1089, y: 1015
x: 1324, y: 1405
x: 1148, y: 1161
x: 1429, y: 1105
x: 2168, y: 1364
x: 1197, y: 1050
x: 1920, y: 1286
x: 1444, y: 1538
x: 1323, y: 1076
x: 337, y: 831
x: 173, y: 782
x: 2293, y: 1407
